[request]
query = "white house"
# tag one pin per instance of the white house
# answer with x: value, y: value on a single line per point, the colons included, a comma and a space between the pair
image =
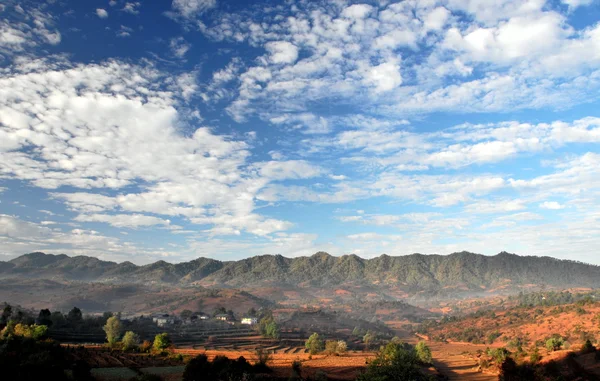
x: 163, y: 320
x: 249, y: 320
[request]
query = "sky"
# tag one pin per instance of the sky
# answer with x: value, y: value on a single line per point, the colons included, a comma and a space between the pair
x: 172, y: 130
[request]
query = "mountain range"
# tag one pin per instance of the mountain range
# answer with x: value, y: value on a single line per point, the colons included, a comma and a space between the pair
x: 411, y: 273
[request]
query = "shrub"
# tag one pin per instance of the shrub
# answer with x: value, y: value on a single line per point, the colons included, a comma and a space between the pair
x: 331, y: 347
x: 296, y: 370
x: 342, y: 347
x: 423, y: 353
x: 146, y: 346
x: 314, y: 344
x: 588, y: 347
x: 263, y: 358
x: 161, y: 342
x: 130, y: 341
x: 394, y: 362
x: 554, y: 343
x: 535, y: 356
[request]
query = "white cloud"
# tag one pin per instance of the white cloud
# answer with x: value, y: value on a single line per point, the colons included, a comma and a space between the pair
x: 552, y: 205
x: 123, y: 220
x: 577, y: 3
x: 192, y: 8
x: 282, y: 52
x: 132, y: 7
x: 383, y: 77
x: 102, y: 13
x: 179, y: 47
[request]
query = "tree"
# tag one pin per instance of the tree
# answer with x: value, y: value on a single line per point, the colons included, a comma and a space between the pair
x: 130, y: 341
x: 554, y: 343
x: 220, y: 310
x: 35, y: 331
x: 272, y: 330
x: 186, y: 314
x: 588, y: 347
x: 45, y: 317
x: 75, y: 316
x: 314, y: 344
x: 112, y: 329
x: 394, y: 363
x: 368, y: 339
x: 423, y: 353
x: 6, y: 314
x: 162, y: 341
x: 251, y: 312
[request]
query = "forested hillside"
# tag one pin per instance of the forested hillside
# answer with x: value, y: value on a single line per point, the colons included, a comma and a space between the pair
x: 412, y: 273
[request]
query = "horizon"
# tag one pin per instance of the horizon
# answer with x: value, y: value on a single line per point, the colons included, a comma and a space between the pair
x: 139, y: 132
x: 307, y: 256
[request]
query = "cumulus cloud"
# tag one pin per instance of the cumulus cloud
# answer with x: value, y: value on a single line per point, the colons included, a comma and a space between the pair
x: 102, y: 13
x: 130, y: 136
x: 179, y: 47
x: 192, y: 8
x: 282, y: 52
x: 552, y: 205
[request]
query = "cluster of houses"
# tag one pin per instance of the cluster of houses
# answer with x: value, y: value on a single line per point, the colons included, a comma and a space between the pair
x: 164, y: 320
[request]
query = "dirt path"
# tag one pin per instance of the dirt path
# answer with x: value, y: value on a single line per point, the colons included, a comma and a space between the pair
x: 451, y: 361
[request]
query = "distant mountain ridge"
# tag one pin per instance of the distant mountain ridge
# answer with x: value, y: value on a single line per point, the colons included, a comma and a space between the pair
x: 412, y: 273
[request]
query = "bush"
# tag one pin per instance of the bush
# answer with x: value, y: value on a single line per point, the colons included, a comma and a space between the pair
x: 535, y: 356
x: 423, y: 353
x: 130, y: 341
x: 394, y: 362
x: 342, y: 347
x: 146, y: 346
x: 588, y: 347
x: 314, y: 344
x: 554, y: 343
x: 162, y: 341
x: 498, y: 355
x: 263, y: 358
x: 296, y: 370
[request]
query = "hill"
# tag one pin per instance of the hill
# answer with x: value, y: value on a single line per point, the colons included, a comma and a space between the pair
x: 392, y: 277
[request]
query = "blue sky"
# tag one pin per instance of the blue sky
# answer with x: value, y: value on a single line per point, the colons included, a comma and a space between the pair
x: 171, y: 130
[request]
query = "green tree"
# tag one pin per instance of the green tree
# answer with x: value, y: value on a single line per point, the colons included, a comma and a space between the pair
x: 112, y: 329
x: 554, y: 343
x: 423, y: 353
x: 272, y: 330
x: 314, y: 344
x: 394, y: 363
x: 368, y: 339
x: 162, y: 341
x: 130, y: 341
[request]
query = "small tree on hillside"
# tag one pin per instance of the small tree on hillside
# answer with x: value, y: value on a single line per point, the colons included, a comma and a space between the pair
x: 555, y: 343
x: 314, y: 344
x: 423, y: 352
x: 368, y: 339
x: 162, y: 341
x: 130, y: 341
x: 113, y: 330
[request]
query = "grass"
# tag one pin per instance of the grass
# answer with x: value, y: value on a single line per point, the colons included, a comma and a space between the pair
x: 113, y: 373
x: 163, y: 370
